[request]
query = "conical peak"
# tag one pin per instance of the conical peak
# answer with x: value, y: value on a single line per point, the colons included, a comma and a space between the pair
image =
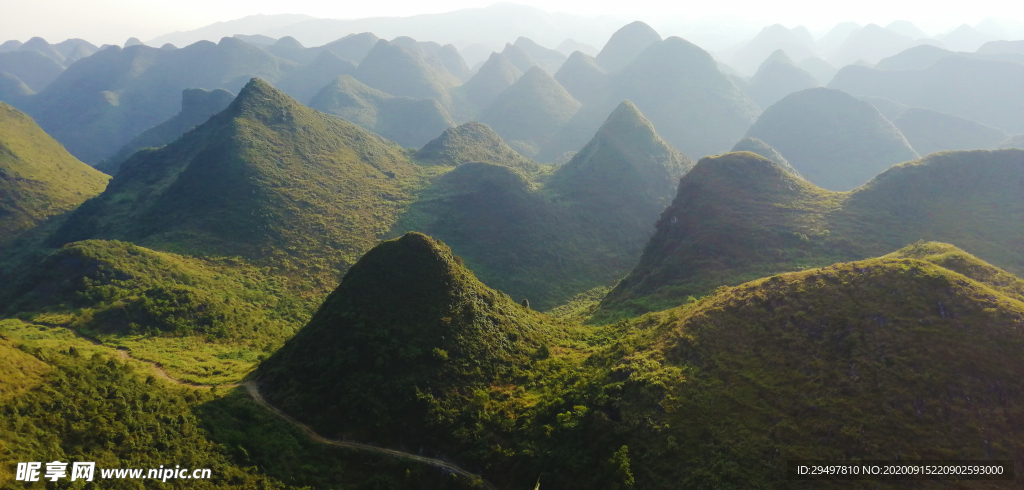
x: 626, y: 118
x: 626, y: 44
x: 289, y: 42
x: 745, y: 170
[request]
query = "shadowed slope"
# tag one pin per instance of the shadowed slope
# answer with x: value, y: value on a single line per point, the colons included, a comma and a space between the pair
x: 930, y: 131
x: 778, y: 77
x: 529, y: 112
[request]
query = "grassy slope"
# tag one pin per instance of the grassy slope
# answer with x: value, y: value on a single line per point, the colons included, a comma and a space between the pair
x: 471, y: 142
x: 38, y: 177
x: 268, y: 180
x: 867, y: 359
x: 739, y: 216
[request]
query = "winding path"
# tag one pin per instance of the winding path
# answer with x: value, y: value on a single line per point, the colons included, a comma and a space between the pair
x: 253, y: 390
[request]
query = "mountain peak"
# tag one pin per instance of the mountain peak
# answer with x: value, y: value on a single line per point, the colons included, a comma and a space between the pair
x: 289, y: 42
x: 470, y: 142
x: 626, y: 44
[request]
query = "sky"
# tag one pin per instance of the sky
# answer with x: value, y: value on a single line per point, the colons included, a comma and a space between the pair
x: 113, y: 21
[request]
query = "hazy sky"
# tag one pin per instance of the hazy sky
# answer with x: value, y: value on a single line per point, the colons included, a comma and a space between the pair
x: 113, y: 21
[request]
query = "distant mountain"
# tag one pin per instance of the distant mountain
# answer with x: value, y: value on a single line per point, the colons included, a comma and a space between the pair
x: 75, y: 49
x: 99, y: 104
x: 907, y: 28
x: 254, y: 39
x: 268, y: 180
x: 625, y: 45
x: 353, y: 47
x: 982, y: 90
x: 771, y: 39
x: 253, y: 24
x: 598, y: 208
x: 496, y: 75
x: 308, y: 80
x: 548, y: 59
x: 396, y: 70
x: 778, y: 77
x: 765, y: 150
x: 1013, y: 142
x: 821, y: 69
x: 915, y: 58
x: 12, y: 90
x: 197, y: 106
x: 453, y: 62
x: 569, y: 46
x: 38, y: 178
x: 519, y: 57
x: 997, y: 47
x: 930, y: 131
x: 870, y: 44
x: 582, y: 77
x: 11, y: 45
x: 475, y: 54
x: 964, y: 38
x: 404, y: 120
x: 831, y: 138
x: 44, y: 48
x: 835, y: 38
x: 529, y: 112
x: 291, y: 49
x: 492, y: 26
x: 468, y: 143
x: 889, y: 108
x: 35, y: 69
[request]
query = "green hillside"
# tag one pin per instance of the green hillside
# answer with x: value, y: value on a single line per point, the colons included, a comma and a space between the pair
x: 548, y: 236
x: 831, y: 138
x: 471, y: 142
x: 930, y: 131
x: 404, y: 120
x: 821, y: 364
x: 529, y: 112
x: 409, y: 334
x: 778, y: 77
x: 755, y: 145
x: 197, y: 105
x: 266, y: 179
x: 626, y: 44
x: 102, y: 102
x: 739, y: 216
x: 38, y: 177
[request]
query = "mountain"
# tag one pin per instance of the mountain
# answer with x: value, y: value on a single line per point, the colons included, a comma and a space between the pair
x: 396, y: 70
x: 821, y: 69
x: 570, y: 46
x: 491, y: 26
x: 778, y: 77
x: 100, y: 103
x: 625, y: 45
x: 965, y: 38
x: 252, y: 24
x: 999, y: 47
x: 915, y: 58
x: 496, y: 75
x: 471, y: 142
x: 765, y: 150
x: 929, y: 131
x: 835, y: 38
x: 75, y: 49
x: 457, y: 336
x: 907, y: 28
x: 530, y: 111
x: 291, y: 49
x: 831, y: 138
x: 982, y: 90
x: 308, y: 80
x: 11, y: 45
x: 267, y: 179
x: 548, y: 59
x: 40, y: 46
x: 870, y: 44
x: 197, y: 106
x: 740, y: 216
x: 404, y: 120
x: 453, y: 62
x: 12, y: 90
x: 35, y: 69
x: 582, y: 77
x: 888, y: 108
x: 38, y: 177
x: 519, y: 57
x: 353, y: 47
x: 771, y: 39
x: 1013, y: 142
x: 598, y: 208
